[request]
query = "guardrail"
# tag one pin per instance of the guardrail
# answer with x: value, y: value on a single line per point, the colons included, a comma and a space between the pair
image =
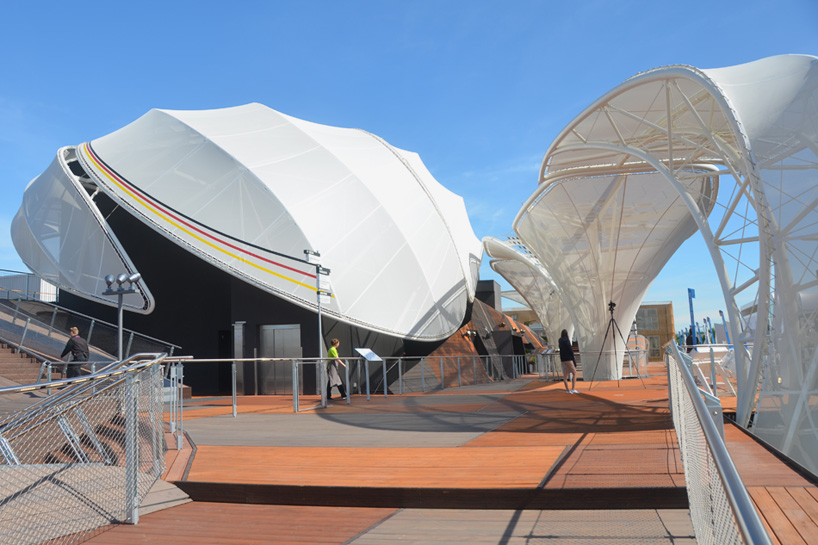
x: 549, y: 366
x: 361, y: 377
x: 720, y: 507
x: 84, y: 457
x: 43, y: 327
x: 19, y: 284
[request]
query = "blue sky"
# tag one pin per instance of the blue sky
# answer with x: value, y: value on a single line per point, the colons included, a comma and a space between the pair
x: 478, y: 88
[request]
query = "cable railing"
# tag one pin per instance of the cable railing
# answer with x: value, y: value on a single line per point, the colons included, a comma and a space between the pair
x: 84, y: 457
x: 720, y: 507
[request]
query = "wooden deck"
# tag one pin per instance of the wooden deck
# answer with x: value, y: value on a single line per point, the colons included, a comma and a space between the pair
x: 348, y: 473
x: 786, y: 500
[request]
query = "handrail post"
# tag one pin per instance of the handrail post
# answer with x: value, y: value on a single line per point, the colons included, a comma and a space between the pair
x: 90, y: 331
x: 366, y: 372
x: 48, y: 375
x: 346, y: 381
x: 459, y: 380
x: 131, y: 473
x: 53, y: 318
x: 383, y: 364
x: 172, y: 400
x: 130, y: 342
x: 25, y: 330
x: 713, y: 373
x: 400, y: 375
x: 233, y: 379
x: 442, y: 376
x: 295, y: 385
x: 181, y: 379
x: 422, y: 377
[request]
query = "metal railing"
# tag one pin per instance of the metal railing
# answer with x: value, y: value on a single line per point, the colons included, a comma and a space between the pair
x: 710, y: 368
x: 361, y: 377
x: 720, y: 507
x: 84, y: 457
x: 19, y: 284
x: 549, y: 366
x: 42, y: 327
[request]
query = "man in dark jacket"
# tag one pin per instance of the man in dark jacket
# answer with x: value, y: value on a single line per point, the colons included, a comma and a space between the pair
x: 78, y: 348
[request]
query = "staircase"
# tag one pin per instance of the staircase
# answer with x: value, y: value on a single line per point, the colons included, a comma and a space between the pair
x: 17, y: 367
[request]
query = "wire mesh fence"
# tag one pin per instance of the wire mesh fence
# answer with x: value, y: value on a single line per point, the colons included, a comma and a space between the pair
x: 84, y: 457
x: 720, y: 508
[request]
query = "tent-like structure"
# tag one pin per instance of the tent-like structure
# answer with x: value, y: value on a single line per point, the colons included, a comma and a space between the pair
x: 512, y: 260
x: 730, y: 151
x: 248, y: 190
x: 603, y: 237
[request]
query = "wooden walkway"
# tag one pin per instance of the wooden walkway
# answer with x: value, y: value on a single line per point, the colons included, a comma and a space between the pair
x: 511, y: 463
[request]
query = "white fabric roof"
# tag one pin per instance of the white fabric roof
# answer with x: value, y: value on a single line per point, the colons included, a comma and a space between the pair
x: 249, y: 188
x: 60, y: 234
x: 602, y: 239
x: 532, y: 283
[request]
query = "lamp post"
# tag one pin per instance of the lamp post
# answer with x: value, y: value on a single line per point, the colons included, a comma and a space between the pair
x: 313, y: 259
x: 120, y: 292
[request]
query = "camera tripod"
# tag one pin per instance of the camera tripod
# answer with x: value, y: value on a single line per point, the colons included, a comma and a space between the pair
x: 611, y: 325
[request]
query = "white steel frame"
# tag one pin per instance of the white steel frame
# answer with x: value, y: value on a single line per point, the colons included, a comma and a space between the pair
x: 628, y: 129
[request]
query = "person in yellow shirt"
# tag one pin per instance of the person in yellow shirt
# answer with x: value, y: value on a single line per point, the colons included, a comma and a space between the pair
x: 333, y: 376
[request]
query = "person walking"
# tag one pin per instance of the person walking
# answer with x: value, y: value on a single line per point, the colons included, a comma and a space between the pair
x: 568, y: 362
x: 691, y: 344
x: 333, y: 377
x: 78, y: 348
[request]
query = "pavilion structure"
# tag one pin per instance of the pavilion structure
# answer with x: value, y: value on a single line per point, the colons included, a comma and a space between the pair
x: 731, y: 153
x: 533, y: 284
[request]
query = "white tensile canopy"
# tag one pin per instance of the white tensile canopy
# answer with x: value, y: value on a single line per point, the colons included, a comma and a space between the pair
x: 532, y: 283
x: 60, y: 234
x: 603, y: 239
x: 739, y: 147
x: 249, y: 189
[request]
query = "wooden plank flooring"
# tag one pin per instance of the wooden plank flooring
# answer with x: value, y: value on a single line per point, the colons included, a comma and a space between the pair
x: 495, y: 467
x: 241, y: 524
x: 611, y: 436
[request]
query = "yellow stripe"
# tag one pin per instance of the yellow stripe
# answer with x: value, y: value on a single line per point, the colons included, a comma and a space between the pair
x: 170, y: 221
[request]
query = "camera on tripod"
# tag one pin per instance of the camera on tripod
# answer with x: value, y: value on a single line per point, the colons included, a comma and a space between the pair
x: 611, y: 307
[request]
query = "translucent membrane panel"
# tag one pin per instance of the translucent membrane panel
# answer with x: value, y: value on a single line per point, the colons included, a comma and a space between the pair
x: 533, y: 285
x: 604, y: 239
x: 780, y: 113
x: 61, y: 236
x: 539, y: 294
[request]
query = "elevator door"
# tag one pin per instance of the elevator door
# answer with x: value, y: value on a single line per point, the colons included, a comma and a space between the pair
x: 278, y: 341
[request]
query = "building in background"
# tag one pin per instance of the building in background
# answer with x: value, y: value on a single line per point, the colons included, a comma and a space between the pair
x: 654, y: 321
